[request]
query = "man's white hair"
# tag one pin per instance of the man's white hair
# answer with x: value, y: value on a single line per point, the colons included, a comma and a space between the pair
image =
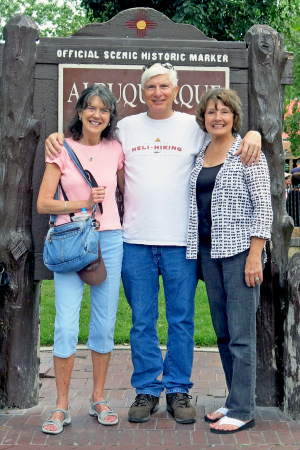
x: 158, y: 69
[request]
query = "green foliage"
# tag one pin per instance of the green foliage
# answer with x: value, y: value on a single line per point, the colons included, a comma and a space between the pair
x: 230, y: 20
x: 204, y: 333
x: 291, y: 122
x: 220, y: 19
x: 291, y: 127
x: 53, y: 19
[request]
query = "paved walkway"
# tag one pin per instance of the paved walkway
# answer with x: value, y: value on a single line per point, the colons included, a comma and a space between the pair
x: 21, y: 429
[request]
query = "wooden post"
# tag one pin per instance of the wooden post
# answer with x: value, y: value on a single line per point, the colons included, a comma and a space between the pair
x: 267, y: 59
x: 19, y: 307
x: 291, y: 405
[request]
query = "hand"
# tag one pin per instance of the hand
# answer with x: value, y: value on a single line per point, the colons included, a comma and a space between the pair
x: 97, y: 195
x: 253, y: 270
x: 53, y: 143
x: 250, y: 148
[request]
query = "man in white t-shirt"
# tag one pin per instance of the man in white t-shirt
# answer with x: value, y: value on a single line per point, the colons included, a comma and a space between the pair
x: 160, y: 148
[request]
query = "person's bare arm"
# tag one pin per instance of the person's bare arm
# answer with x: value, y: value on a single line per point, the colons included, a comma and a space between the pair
x: 250, y: 148
x: 53, y: 143
x: 121, y: 179
x: 253, y: 267
x: 46, y: 203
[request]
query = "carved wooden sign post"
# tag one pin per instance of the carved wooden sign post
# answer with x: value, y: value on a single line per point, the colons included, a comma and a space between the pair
x: 114, y: 54
x: 19, y: 307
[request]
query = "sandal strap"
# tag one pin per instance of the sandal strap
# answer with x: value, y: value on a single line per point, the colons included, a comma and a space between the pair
x: 222, y: 410
x: 104, y: 414
x: 231, y: 421
x: 64, y: 411
x: 100, y: 402
x: 55, y: 422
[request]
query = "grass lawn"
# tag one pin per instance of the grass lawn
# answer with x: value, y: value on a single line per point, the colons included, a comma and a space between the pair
x: 204, y: 333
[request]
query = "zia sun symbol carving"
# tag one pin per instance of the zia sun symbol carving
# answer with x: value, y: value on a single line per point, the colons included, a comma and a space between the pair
x: 141, y: 24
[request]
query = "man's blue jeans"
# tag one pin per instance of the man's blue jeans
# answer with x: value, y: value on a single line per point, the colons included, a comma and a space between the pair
x: 233, y: 307
x: 140, y: 274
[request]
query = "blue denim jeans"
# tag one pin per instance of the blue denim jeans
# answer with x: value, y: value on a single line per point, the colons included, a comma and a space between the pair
x: 233, y: 307
x: 104, y: 302
x: 140, y: 274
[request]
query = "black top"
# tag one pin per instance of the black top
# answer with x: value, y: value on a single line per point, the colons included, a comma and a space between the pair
x: 204, y: 187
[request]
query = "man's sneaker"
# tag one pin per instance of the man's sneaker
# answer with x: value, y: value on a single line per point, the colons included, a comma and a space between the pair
x: 143, y: 406
x: 178, y: 404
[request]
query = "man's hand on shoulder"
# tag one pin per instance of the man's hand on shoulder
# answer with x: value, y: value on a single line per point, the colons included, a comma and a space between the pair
x: 250, y: 148
x: 52, y: 145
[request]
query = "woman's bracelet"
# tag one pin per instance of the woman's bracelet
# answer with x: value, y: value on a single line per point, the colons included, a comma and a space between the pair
x: 66, y: 208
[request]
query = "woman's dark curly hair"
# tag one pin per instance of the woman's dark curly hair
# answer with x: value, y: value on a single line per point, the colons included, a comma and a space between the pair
x: 109, y: 101
x: 229, y: 98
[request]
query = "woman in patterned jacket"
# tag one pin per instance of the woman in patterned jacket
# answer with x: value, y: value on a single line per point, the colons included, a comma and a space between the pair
x: 230, y: 220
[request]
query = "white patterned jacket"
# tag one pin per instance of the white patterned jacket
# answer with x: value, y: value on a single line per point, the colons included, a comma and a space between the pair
x: 240, y: 206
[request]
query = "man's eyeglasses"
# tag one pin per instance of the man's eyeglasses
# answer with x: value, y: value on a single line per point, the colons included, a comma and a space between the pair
x: 163, y: 64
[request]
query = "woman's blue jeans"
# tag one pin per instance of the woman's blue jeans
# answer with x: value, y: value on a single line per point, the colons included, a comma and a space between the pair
x: 140, y: 274
x: 233, y: 308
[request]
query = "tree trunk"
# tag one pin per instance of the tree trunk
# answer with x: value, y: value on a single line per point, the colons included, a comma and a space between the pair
x: 19, y: 306
x: 267, y: 60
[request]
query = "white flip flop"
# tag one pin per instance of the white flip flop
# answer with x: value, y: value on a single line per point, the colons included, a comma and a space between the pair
x: 230, y: 421
x: 222, y: 410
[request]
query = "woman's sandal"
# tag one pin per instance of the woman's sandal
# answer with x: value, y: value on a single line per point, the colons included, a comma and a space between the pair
x: 230, y: 421
x: 56, y: 422
x: 222, y: 410
x: 102, y: 415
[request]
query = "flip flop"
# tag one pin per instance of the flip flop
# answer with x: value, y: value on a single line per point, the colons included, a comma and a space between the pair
x: 102, y: 416
x: 56, y: 422
x: 230, y: 421
x: 222, y: 410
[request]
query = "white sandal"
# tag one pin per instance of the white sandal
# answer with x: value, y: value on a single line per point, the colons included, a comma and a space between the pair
x: 56, y: 422
x: 102, y: 415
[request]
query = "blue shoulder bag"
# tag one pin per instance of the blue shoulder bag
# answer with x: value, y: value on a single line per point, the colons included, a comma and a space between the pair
x: 74, y: 245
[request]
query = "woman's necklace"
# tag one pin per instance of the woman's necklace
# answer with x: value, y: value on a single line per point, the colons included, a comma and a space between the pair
x: 215, y: 159
x: 90, y: 158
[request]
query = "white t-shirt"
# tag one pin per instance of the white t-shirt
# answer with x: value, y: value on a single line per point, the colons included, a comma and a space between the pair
x: 159, y: 158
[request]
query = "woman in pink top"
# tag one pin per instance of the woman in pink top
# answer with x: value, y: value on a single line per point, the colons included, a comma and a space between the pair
x: 94, y: 142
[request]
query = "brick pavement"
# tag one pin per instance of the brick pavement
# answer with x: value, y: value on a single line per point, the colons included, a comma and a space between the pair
x: 21, y: 429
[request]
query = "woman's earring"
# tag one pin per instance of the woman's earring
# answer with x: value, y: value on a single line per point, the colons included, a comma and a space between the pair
x: 80, y: 118
x: 108, y: 124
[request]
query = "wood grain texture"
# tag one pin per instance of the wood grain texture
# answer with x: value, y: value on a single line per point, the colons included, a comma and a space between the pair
x: 267, y: 60
x: 19, y: 131
x: 163, y: 27
x: 291, y: 404
x: 46, y: 109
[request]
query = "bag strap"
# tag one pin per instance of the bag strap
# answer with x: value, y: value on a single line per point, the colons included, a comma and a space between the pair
x: 85, y: 173
x: 87, y: 176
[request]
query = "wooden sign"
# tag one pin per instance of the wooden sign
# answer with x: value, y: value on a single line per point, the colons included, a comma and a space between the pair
x: 124, y: 81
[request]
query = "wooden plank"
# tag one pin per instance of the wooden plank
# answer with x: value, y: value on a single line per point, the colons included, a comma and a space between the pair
x: 288, y: 73
x: 41, y: 272
x: 155, y: 24
x: 105, y: 40
x: 46, y: 71
x: 95, y: 52
x: 45, y: 107
x: 239, y: 76
x: 242, y: 91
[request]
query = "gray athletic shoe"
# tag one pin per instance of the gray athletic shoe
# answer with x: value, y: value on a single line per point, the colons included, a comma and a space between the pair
x: 143, y: 406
